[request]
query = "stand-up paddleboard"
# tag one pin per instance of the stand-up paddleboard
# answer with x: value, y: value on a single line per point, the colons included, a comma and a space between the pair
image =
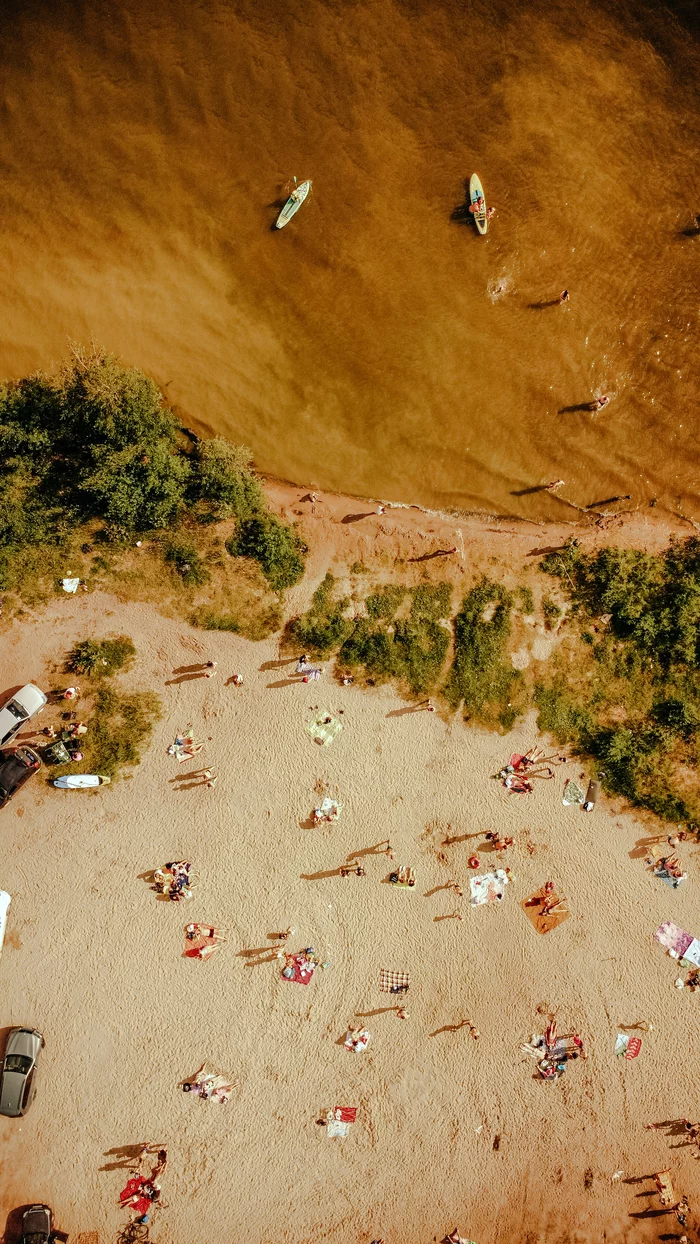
x: 293, y: 204
x: 476, y: 192
x: 81, y: 781
x: 5, y: 901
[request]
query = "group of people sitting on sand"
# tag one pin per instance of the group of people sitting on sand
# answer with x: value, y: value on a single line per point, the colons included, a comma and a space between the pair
x: 174, y: 880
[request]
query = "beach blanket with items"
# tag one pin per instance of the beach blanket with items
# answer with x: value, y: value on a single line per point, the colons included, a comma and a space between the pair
x: 488, y: 887
x: 324, y: 728
x: 338, y: 1120
x: 685, y: 948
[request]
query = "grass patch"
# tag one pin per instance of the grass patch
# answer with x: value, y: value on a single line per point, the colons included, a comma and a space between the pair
x: 323, y: 628
x: 482, y: 678
x: 627, y: 688
x: 187, y: 563
x: 412, y: 649
x: 119, y: 727
x: 100, y: 658
x: 551, y: 612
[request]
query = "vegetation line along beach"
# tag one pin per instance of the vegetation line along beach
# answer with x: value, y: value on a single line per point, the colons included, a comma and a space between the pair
x: 97, y: 475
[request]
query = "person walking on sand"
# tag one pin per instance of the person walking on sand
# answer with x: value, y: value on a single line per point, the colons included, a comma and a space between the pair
x: 210, y: 669
x: 453, y: 885
x: 353, y: 867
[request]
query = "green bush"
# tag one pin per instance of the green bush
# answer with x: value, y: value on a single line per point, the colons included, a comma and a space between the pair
x: 101, y: 657
x: 187, y: 563
x: 323, y: 628
x: 96, y: 442
x: 222, y: 475
x: 481, y: 676
x: 551, y: 612
x: 274, y: 545
x: 411, y: 650
x: 384, y: 602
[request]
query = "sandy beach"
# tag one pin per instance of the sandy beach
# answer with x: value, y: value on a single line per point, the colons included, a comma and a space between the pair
x: 450, y: 1132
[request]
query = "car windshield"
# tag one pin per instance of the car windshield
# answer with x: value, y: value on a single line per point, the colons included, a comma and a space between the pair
x: 17, y: 710
x: 18, y: 1062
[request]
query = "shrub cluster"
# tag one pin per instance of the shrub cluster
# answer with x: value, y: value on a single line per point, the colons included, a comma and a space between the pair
x: 96, y: 442
x: 638, y: 709
x: 482, y: 677
x: 100, y: 658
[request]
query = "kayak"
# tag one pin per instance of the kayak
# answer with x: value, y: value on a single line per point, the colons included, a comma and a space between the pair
x: 5, y: 901
x: 476, y: 191
x: 293, y: 204
x: 79, y: 781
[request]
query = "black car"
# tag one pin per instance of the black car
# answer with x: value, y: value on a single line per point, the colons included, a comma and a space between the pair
x: 36, y: 1225
x: 15, y: 768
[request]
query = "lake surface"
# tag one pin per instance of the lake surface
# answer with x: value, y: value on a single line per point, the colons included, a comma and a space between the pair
x: 377, y: 345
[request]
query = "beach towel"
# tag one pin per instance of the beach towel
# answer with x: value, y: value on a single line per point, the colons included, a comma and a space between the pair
x: 70, y: 585
x: 488, y: 887
x: 573, y: 793
x: 346, y: 1114
x: 393, y: 982
x: 336, y: 1128
x: 200, y: 946
x: 692, y: 953
x: 323, y: 728
x: 303, y: 969
x: 673, y: 938
x: 626, y: 1046
x: 664, y: 875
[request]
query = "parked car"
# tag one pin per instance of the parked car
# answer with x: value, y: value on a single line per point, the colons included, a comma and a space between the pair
x: 16, y: 767
x: 18, y: 1082
x: 36, y: 1225
x: 25, y: 704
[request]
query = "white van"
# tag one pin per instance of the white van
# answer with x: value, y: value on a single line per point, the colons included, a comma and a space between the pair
x: 25, y: 704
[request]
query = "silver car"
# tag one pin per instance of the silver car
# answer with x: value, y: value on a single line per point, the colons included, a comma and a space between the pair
x: 18, y: 1083
x: 26, y: 703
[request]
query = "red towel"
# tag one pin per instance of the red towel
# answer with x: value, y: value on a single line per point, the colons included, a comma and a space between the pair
x: 133, y: 1186
x: 299, y: 977
x: 634, y: 1045
x: 345, y: 1114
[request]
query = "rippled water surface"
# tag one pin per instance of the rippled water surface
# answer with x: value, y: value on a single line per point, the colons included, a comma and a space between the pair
x: 377, y: 344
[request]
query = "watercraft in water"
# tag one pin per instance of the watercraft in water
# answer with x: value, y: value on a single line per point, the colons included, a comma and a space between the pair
x: 293, y: 204
x: 476, y: 193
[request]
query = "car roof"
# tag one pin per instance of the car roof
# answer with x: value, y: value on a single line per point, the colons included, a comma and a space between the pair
x: 23, y: 1041
x: 12, y: 771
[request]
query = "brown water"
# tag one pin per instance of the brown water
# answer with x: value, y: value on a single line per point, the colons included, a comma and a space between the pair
x: 375, y: 345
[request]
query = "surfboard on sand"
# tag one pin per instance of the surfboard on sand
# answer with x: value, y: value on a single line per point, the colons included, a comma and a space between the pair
x: 476, y: 191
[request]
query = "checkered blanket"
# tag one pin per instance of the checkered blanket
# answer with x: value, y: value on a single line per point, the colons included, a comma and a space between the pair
x: 393, y: 982
x: 324, y: 728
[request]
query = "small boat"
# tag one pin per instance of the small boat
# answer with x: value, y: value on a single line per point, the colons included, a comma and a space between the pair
x: 476, y: 192
x: 293, y: 204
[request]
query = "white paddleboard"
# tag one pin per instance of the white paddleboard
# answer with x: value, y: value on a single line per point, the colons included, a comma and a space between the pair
x: 5, y: 901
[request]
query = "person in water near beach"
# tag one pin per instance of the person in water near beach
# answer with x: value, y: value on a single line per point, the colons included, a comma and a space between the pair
x: 599, y: 402
x: 564, y: 296
x: 556, y: 483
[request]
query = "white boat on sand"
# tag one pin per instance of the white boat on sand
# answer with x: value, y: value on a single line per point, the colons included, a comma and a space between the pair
x: 293, y: 204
